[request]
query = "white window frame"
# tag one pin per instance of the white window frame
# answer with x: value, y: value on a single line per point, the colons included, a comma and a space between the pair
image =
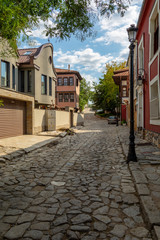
x: 155, y: 121
x: 152, y: 17
x: 140, y: 88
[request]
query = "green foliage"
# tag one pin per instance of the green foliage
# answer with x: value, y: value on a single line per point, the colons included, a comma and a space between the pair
x: 1, y: 103
x: 85, y: 91
x: 106, y: 91
x: 69, y: 17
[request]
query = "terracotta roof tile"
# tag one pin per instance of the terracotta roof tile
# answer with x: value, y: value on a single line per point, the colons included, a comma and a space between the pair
x: 26, y: 58
x: 66, y: 71
x: 126, y: 73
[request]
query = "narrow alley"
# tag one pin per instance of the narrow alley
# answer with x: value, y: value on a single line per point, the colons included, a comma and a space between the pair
x: 80, y: 187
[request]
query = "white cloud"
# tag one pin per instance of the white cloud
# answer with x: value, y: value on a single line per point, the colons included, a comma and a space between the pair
x: 86, y: 59
x: 115, y: 27
x: 89, y: 78
x: 40, y: 31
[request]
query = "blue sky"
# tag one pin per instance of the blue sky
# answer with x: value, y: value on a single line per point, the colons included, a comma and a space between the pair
x: 90, y: 56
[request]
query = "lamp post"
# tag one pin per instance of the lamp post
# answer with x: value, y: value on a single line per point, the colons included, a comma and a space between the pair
x: 131, y: 153
x: 117, y: 109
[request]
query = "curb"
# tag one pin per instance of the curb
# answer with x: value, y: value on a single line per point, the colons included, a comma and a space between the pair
x: 150, y: 211
x: 22, y: 152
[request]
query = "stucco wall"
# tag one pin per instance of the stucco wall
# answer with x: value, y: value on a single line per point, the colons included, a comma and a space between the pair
x: 52, y: 120
x: 11, y: 60
x: 39, y: 120
x: 78, y: 119
x: 62, y: 119
x: 46, y: 68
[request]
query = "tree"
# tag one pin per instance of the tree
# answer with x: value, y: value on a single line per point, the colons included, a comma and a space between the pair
x: 68, y: 17
x: 84, y: 94
x: 1, y: 103
x: 105, y: 92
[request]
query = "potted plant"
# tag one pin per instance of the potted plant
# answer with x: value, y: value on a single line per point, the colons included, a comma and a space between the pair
x: 123, y: 123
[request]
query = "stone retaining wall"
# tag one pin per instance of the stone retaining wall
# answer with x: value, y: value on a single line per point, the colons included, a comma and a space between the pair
x: 152, y: 137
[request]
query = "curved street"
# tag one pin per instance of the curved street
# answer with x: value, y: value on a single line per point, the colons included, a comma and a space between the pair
x: 79, y: 187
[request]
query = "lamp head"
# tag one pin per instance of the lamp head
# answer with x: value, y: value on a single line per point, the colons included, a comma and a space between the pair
x: 132, y: 30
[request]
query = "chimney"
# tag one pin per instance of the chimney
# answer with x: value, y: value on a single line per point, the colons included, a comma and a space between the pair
x: 69, y: 67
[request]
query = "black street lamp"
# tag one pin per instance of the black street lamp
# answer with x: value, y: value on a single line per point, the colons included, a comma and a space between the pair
x: 117, y: 98
x: 132, y: 37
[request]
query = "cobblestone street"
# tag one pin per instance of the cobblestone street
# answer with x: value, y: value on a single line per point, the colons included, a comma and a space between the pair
x: 78, y: 187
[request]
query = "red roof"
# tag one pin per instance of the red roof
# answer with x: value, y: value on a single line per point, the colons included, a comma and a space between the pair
x: 67, y: 71
x: 25, y: 58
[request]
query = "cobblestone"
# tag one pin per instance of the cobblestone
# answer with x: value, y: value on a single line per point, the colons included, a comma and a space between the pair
x: 80, y: 188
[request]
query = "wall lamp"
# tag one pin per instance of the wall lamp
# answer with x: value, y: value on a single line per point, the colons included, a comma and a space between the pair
x: 141, y: 76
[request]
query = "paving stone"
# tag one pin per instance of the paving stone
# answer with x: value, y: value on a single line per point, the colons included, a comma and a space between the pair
x: 10, y: 219
x: 26, y: 217
x: 96, y: 205
x: 43, y: 226
x: 58, y: 236
x: 130, y: 199
x: 129, y: 222
x: 16, y: 232
x: 150, y: 210
x: 60, y: 220
x: 157, y: 232
x: 72, y: 235
x: 45, y: 217
x: 113, y: 212
x: 131, y: 211
x: 139, y: 177
x: 119, y: 231
x: 100, y: 226
x: 80, y: 228
x: 13, y: 212
x: 142, y: 189
x: 37, y: 209
x: 103, y: 218
x: 34, y: 234
x: 101, y: 210
x: 4, y: 227
x: 81, y: 218
x: 139, y: 232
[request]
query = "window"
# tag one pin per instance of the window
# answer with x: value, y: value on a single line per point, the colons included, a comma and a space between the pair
x: 71, y: 81
x: 154, y: 101
x: 5, y: 74
x: 27, y: 53
x: 65, y: 81
x: 21, y: 81
x: 156, y: 33
x: 13, y: 77
x: 59, y: 83
x: 124, y: 89
x: 60, y: 97
x: 124, y: 83
x: 50, y: 86
x: 71, y: 97
x: 66, y: 97
x: 154, y: 30
x: 43, y: 85
x: 77, y: 82
x: 29, y: 81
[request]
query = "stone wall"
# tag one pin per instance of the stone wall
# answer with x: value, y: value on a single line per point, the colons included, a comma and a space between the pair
x: 153, y: 137
x: 78, y: 119
x: 51, y: 120
x: 150, y: 136
x: 39, y: 120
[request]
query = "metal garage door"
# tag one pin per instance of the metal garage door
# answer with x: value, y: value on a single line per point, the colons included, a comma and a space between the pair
x: 12, y: 118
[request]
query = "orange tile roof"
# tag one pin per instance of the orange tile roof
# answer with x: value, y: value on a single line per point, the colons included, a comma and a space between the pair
x: 26, y: 58
x: 67, y: 71
x: 121, y: 74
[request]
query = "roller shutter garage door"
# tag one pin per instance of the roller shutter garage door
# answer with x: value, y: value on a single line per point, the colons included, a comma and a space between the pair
x: 12, y: 118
